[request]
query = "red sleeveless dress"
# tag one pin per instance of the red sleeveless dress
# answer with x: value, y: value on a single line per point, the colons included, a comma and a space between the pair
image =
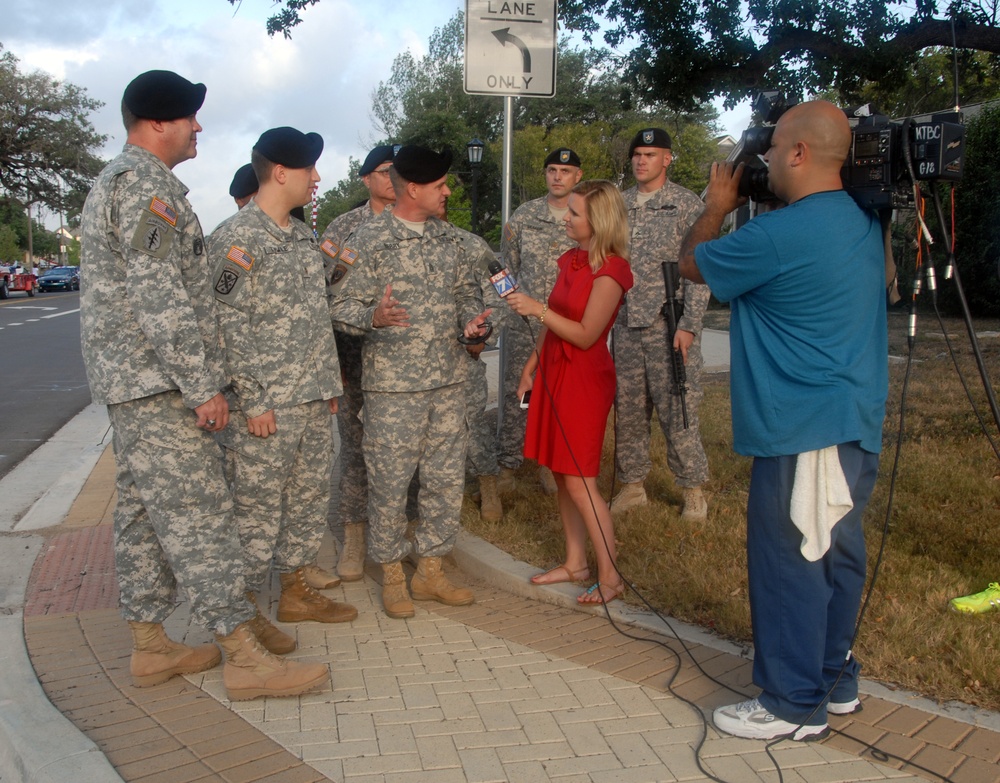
x: 574, y: 388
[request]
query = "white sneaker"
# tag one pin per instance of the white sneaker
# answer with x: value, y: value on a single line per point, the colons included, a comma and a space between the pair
x: 751, y: 720
x: 845, y: 707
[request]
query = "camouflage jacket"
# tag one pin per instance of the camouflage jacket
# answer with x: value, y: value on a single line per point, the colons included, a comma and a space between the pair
x: 271, y: 297
x: 433, y: 278
x: 147, y: 316
x: 332, y: 245
x: 657, y: 229
x: 532, y: 243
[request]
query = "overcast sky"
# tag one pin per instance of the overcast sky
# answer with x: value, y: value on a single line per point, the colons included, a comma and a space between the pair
x: 319, y: 81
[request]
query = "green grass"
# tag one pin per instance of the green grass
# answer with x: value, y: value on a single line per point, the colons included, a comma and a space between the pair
x: 943, y: 537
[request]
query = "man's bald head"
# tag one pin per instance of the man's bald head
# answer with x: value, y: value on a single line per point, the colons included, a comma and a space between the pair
x: 809, y: 146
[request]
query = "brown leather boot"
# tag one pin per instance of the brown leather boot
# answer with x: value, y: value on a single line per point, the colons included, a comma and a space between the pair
x: 351, y: 565
x: 251, y: 671
x: 506, y: 480
x: 299, y: 602
x: 273, y: 639
x: 156, y: 657
x: 629, y: 496
x: 319, y: 578
x: 395, y: 597
x: 490, y: 509
x: 430, y: 584
x: 695, y: 505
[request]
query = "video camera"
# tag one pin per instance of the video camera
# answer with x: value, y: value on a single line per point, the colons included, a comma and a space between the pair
x: 885, y: 158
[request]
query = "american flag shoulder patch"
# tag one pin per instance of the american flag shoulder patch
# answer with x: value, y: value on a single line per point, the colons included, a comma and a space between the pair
x: 349, y: 256
x: 330, y: 248
x: 164, y: 210
x: 240, y: 257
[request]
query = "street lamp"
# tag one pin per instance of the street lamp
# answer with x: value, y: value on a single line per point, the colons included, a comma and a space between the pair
x: 475, y: 151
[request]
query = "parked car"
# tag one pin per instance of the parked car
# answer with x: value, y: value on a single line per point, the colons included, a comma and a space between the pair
x: 65, y: 278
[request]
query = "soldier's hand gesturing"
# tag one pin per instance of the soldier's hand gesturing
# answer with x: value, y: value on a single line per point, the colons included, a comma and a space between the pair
x: 389, y: 311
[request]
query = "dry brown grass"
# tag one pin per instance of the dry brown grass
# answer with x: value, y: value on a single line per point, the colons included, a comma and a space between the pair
x: 943, y: 540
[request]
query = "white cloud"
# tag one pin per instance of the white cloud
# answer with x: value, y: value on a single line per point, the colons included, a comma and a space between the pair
x: 321, y: 80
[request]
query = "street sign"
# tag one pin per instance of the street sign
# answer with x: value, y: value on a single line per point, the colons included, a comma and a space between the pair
x: 510, y: 47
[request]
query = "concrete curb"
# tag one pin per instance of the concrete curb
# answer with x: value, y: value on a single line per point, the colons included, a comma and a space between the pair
x: 37, y: 743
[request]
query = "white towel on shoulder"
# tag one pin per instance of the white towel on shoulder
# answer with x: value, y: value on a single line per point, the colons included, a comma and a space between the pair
x: 820, y: 499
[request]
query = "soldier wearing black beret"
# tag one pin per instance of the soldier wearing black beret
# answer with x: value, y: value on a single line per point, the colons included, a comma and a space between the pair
x: 660, y: 213
x: 244, y: 185
x: 412, y: 288
x: 338, y: 261
x: 158, y: 366
x: 284, y: 373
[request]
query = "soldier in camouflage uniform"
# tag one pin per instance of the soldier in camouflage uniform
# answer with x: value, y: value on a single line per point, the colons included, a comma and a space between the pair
x: 353, y: 486
x: 281, y: 360
x: 410, y: 293
x: 153, y: 355
x: 533, y: 240
x: 660, y: 213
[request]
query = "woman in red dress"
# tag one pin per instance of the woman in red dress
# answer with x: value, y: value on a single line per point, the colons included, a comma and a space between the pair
x: 573, y: 381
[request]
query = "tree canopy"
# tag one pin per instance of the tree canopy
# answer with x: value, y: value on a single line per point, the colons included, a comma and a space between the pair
x: 47, y: 143
x: 683, y: 51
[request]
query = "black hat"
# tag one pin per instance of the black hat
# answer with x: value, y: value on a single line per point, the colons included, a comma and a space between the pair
x: 563, y: 156
x: 163, y: 95
x: 377, y: 157
x: 421, y: 165
x: 244, y: 182
x: 650, y: 137
x: 289, y: 147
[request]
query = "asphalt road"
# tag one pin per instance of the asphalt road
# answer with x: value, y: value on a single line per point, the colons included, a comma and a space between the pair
x: 42, y: 380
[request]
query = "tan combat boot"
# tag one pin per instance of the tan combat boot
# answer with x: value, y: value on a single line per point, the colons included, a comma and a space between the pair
x: 430, y: 584
x: 251, y: 671
x: 299, y: 603
x: 695, y: 505
x: 319, y: 578
x: 395, y: 596
x: 548, y: 481
x: 273, y: 639
x: 505, y: 481
x: 156, y: 657
x: 490, y: 508
x: 351, y: 565
x: 630, y: 496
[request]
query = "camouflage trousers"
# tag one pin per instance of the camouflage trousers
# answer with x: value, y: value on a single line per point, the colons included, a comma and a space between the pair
x: 405, y: 431
x: 174, y: 522
x: 482, y: 456
x: 281, y: 488
x: 516, y: 344
x: 353, y: 482
x: 642, y: 366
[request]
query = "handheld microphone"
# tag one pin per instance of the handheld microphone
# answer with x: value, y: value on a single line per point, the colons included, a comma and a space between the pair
x: 502, y: 280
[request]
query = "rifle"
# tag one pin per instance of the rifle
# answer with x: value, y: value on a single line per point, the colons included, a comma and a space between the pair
x: 672, y: 311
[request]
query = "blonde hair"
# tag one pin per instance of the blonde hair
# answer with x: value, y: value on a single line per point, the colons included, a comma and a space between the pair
x: 607, y: 218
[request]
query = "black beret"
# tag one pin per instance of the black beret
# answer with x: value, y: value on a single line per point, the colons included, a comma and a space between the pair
x: 163, y: 95
x: 650, y: 137
x: 289, y: 147
x: 421, y: 165
x: 563, y: 156
x: 377, y: 157
x: 244, y: 182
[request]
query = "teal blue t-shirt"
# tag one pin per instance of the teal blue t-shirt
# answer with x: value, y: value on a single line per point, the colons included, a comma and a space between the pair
x: 808, y: 336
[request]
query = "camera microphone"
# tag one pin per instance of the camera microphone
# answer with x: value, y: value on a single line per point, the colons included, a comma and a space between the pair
x: 502, y: 280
